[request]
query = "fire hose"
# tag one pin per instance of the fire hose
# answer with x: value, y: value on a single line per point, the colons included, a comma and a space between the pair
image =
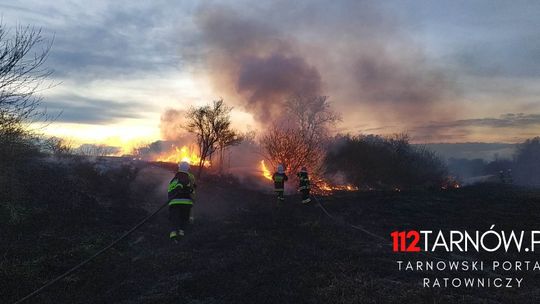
x: 385, y: 241
x: 95, y: 255
x: 357, y: 227
x: 146, y: 219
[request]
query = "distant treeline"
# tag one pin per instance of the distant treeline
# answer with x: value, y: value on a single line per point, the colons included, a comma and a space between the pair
x: 522, y: 169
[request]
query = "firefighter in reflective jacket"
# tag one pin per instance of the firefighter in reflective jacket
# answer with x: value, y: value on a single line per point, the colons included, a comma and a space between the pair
x: 279, y: 179
x: 181, y: 193
x: 303, y: 185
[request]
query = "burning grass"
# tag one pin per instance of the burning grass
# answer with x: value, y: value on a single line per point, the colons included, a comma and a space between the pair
x: 319, y: 185
x: 307, y: 257
x: 185, y: 153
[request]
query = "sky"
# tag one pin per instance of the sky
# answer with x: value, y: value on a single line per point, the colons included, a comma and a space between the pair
x: 442, y: 71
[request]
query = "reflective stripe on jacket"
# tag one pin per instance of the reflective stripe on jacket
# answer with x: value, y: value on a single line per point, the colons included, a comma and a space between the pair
x: 182, y: 193
x: 181, y: 201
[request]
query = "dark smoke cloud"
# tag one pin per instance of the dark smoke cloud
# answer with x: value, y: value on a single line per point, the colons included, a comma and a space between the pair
x: 256, y: 61
x: 268, y: 81
x: 353, y: 51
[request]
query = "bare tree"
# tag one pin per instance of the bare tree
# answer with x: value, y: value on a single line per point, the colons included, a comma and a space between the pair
x: 227, y: 139
x: 96, y: 150
x: 285, y: 145
x: 21, y: 76
x: 58, y: 147
x: 211, y: 125
x: 312, y: 115
x: 300, y: 140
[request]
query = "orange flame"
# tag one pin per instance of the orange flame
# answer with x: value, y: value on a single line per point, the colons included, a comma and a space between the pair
x: 324, y: 186
x: 177, y: 155
x: 266, y: 173
x: 450, y: 183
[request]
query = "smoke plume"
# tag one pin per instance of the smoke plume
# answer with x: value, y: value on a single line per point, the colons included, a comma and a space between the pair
x: 256, y: 61
x: 350, y: 50
x: 172, y: 125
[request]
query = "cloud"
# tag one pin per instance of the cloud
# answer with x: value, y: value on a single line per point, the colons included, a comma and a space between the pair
x: 509, y: 120
x: 401, y: 63
x: 408, y: 88
x: 78, y: 109
x: 107, y: 39
x: 484, y: 38
x: 472, y: 150
x: 462, y: 129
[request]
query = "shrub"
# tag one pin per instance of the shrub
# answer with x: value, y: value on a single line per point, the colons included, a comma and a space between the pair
x: 385, y: 162
x: 527, y: 163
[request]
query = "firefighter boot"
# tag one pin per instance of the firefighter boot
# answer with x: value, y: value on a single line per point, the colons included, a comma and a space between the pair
x: 306, y: 201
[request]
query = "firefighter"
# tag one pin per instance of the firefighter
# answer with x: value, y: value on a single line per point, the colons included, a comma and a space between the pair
x: 181, y: 193
x: 303, y: 185
x: 279, y: 179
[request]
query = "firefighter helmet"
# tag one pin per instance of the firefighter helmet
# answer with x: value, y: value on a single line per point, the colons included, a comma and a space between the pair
x: 183, y: 166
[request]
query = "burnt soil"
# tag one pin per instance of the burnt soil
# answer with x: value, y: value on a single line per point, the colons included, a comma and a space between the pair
x: 242, y: 248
